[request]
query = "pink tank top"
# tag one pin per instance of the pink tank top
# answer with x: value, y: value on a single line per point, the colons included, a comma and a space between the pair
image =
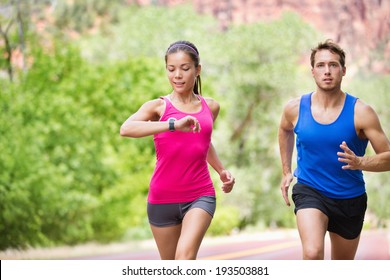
x: 181, y: 173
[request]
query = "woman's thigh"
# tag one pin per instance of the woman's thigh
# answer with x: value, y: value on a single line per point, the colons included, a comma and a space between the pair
x: 166, y: 239
x: 194, y: 227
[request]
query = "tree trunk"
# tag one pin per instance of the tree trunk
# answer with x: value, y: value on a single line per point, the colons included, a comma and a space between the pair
x: 8, y: 49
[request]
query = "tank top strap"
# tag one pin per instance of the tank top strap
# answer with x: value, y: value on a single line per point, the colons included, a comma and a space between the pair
x: 350, y: 102
x: 168, y: 105
x: 306, y: 99
x: 305, y: 106
x: 167, y: 101
x: 202, y: 100
x: 205, y: 106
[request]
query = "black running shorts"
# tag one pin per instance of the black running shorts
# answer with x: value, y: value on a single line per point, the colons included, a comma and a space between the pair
x: 346, y: 216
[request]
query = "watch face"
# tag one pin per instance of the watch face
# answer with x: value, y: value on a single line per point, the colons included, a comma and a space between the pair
x: 171, y: 124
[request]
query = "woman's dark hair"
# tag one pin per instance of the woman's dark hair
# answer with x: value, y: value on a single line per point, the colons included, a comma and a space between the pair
x: 331, y: 46
x: 190, y: 49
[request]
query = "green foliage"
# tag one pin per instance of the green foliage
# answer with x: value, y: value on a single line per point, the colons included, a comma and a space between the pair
x: 255, y: 82
x: 374, y: 90
x: 225, y: 220
x: 62, y: 168
x: 82, y: 15
x: 148, y: 31
x: 66, y: 176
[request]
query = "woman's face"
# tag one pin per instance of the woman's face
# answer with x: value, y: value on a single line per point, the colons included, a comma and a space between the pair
x: 182, y: 72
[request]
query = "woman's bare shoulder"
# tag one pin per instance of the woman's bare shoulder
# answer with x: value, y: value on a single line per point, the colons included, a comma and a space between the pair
x: 152, y: 109
x: 213, y: 105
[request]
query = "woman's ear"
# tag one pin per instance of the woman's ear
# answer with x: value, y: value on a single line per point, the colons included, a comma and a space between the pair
x: 198, y: 70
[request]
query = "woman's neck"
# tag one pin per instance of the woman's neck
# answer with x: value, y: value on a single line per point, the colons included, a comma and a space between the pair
x: 183, y: 98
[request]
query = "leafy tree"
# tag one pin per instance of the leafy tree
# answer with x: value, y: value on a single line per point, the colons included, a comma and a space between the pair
x: 14, y: 22
x: 374, y: 89
x: 60, y: 172
x: 258, y: 74
x: 84, y: 15
x: 66, y: 176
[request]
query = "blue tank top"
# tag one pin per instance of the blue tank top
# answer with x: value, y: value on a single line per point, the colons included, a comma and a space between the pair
x: 317, y: 146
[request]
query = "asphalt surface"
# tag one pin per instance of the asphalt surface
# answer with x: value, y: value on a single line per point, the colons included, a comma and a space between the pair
x: 266, y: 245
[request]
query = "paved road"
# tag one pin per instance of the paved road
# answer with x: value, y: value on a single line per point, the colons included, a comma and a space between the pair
x: 267, y: 245
x: 278, y: 245
x: 272, y: 245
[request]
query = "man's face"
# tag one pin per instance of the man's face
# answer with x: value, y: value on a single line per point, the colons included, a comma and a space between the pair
x: 327, y: 71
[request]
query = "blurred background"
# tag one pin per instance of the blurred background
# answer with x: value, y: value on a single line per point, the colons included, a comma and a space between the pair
x: 71, y: 72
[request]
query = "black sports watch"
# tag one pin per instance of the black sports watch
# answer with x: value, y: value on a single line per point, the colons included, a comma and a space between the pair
x: 171, y: 124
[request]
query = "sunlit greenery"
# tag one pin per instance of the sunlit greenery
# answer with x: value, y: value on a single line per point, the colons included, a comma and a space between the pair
x: 67, y: 177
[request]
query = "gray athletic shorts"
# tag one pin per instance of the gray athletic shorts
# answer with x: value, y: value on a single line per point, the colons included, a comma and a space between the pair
x: 170, y: 214
x: 346, y: 216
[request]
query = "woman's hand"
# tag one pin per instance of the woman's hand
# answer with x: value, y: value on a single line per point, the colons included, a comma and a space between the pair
x: 188, y: 124
x: 228, y: 181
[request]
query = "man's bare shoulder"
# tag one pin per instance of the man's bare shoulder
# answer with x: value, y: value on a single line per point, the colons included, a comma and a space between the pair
x: 362, y: 107
x: 293, y: 102
x: 364, y: 114
x: 291, y: 108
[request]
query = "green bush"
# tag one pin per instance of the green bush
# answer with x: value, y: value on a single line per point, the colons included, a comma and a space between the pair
x: 226, y: 219
x: 61, y: 176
